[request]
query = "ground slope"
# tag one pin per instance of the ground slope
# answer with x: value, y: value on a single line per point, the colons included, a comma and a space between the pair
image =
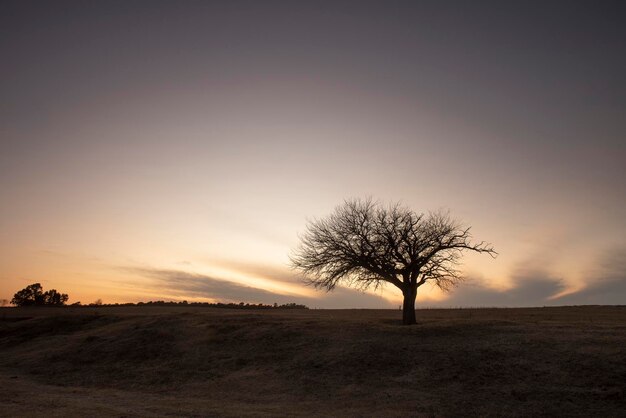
x: 217, y: 362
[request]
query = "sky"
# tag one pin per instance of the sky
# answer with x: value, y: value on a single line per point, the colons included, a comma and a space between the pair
x: 175, y: 149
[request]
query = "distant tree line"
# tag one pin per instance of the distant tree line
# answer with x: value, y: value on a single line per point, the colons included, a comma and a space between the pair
x: 240, y: 305
x: 33, y: 295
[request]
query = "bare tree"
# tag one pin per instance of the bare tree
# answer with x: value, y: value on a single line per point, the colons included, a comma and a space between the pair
x: 365, y: 244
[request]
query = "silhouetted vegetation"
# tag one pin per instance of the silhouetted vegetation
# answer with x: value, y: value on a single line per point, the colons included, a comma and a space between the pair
x: 240, y: 305
x: 363, y: 244
x: 33, y: 295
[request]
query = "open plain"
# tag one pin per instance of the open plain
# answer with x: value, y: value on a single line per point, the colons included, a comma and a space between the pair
x: 185, y: 361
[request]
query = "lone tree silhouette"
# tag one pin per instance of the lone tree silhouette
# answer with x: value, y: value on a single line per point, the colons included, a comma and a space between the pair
x: 33, y: 295
x: 363, y: 243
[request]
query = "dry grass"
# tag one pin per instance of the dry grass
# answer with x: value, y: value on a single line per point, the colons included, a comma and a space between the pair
x: 209, y: 362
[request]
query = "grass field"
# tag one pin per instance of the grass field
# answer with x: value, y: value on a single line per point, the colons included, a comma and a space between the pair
x: 177, y: 361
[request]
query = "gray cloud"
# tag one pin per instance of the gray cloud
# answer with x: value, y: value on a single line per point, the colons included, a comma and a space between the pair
x: 531, y: 288
x: 268, y: 271
x: 196, y: 285
x: 606, y: 286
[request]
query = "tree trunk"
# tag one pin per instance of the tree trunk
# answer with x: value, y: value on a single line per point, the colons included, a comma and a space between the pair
x: 408, y: 306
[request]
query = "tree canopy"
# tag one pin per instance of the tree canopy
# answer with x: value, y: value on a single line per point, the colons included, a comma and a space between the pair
x: 33, y: 295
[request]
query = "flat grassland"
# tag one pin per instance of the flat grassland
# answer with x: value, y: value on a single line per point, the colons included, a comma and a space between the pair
x: 184, y: 361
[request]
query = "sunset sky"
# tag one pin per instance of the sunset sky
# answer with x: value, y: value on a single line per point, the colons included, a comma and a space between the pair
x: 175, y: 149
